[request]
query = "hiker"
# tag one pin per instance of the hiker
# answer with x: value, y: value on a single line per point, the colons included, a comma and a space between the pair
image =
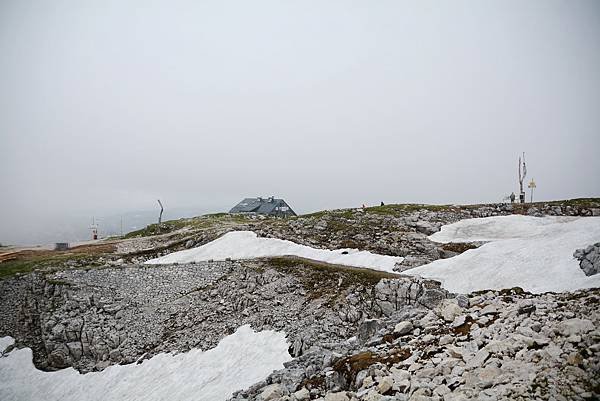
x: 382, y: 204
x: 512, y: 197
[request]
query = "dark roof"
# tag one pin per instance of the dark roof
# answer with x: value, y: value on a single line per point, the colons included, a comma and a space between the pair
x: 261, y: 206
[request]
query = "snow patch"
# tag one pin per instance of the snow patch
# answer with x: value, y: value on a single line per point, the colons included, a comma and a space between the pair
x: 534, y: 253
x: 237, y: 362
x: 5, y: 342
x: 497, y: 228
x: 247, y: 245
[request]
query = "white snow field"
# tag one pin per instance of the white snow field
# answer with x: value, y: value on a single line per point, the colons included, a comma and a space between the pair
x: 239, y: 361
x: 534, y: 253
x: 247, y: 245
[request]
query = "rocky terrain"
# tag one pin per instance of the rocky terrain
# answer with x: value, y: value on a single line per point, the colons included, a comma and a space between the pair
x: 90, y: 319
x: 402, y: 230
x: 589, y: 259
x: 356, y: 334
x: 496, y: 345
x: 397, y: 230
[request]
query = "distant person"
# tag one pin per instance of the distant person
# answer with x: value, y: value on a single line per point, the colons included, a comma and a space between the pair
x: 382, y: 204
x: 364, y: 207
x: 512, y: 197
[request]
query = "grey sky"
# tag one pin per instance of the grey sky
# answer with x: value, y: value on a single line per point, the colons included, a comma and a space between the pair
x: 106, y: 106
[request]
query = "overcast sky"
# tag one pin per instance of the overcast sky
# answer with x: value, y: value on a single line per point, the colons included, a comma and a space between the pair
x: 106, y: 106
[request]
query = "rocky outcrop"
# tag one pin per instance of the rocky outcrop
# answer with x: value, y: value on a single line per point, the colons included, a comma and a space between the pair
x: 589, y: 259
x: 503, y: 345
x: 396, y: 230
x: 94, y: 318
x: 401, y: 230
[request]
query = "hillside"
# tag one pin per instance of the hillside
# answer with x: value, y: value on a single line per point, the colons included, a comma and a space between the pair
x: 392, y: 302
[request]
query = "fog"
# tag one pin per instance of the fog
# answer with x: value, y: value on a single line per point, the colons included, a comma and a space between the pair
x: 106, y: 107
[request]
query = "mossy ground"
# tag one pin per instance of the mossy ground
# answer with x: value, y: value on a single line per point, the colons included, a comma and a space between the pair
x: 323, y: 279
x: 342, y: 221
x: 26, y: 265
x: 458, y: 247
x: 194, y: 223
x: 27, y: 261
x: 339, y: 219
x: 350, y: 366
x: 400, y: 209
x: 391, y: 209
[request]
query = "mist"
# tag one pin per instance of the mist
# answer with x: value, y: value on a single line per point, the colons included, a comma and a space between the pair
x: 108, y: 106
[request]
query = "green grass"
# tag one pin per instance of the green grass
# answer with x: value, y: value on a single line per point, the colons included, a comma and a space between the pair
x: 50, y: 263
x: 218, y: 215
x: 315, y: 214
x: 152, y: 229
x: 391, y: 209
x: 197, y: 223
x: 339, y: 225
x: 319, y: 278
x: 395, y: 209
x: 343, y: 213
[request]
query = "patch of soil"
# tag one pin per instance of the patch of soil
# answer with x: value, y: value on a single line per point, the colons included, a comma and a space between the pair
x: 350, y: 366
x: 458, y: 247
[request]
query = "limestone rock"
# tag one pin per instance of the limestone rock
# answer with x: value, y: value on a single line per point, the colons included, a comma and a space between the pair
x: 302, y: 394
x: 339, y: 396
x: 272, y: 392
x: 589, y: 259
x: 575, y: 326
x: 449, y: 310
x: 385, y: 385
x: 488, y: 310
x: 478, y: 359
x: 367, y: 329
x: 403, y: 328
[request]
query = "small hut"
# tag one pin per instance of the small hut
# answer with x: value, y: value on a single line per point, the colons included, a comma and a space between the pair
x: 265, y: 206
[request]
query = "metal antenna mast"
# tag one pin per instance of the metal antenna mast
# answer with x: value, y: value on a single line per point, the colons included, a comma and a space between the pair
x: 94, y: 228
x: 522, y: 174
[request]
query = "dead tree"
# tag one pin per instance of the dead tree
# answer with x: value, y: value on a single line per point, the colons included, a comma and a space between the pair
x: 522, y: 174
x: 160, y: 215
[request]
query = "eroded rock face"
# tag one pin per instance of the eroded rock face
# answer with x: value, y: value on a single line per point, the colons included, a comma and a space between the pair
x: 589, y: 259
x: 91, y: 319
x: 394, y: 295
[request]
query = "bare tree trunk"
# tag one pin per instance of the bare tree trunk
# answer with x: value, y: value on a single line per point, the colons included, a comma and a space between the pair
x: 160, y: 215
